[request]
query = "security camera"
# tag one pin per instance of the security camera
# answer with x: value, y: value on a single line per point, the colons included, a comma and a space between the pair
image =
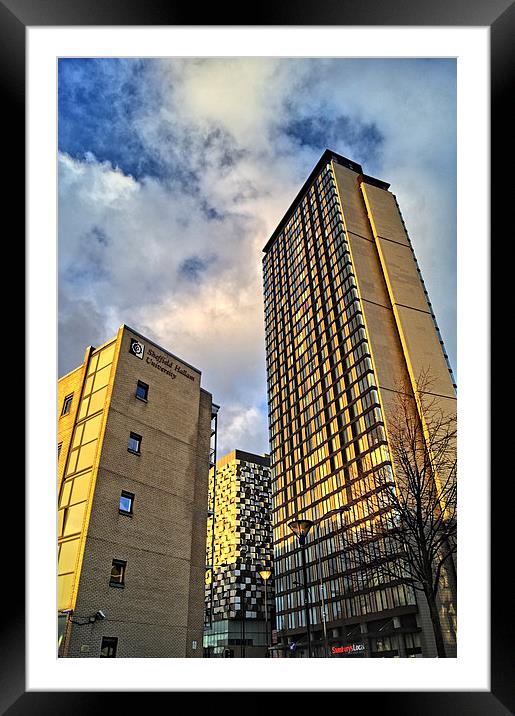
x: 100, y: 615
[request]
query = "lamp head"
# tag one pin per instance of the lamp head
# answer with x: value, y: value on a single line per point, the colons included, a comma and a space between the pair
x: 301, y: 528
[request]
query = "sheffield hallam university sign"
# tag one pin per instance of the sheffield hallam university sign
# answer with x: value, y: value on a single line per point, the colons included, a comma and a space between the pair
x: 159, y: 361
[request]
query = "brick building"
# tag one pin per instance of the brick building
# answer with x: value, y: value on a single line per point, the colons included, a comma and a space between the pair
x: 134, y: 430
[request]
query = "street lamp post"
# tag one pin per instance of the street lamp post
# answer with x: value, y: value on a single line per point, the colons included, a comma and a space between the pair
x: 265, y: 574
x: 301, y: 529
x: 339, y: 511
x: 321, y: 587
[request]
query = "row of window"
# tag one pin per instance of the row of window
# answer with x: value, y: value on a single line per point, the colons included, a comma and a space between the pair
x: 344, y: 607
x: 333, y: 266
x: 126, y: 505
x: 321, y: 214
x: 335, y: 339
x: 109, y: 645
x: 118, y: 569
x: 282, y: 275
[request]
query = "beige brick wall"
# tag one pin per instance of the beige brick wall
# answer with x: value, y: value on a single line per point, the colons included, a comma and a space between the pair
x: 383, y: 214
x: 406, y: 287
x: 383, y: 337
x: 415, y: 325
x: 370, y: 277
x: 356, y: 221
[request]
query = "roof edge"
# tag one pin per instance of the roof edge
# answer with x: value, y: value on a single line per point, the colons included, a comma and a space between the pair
x: 164, y: 350
x: 328, y: 155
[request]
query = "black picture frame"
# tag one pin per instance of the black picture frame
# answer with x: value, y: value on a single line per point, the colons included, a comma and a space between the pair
x: 15, y: 17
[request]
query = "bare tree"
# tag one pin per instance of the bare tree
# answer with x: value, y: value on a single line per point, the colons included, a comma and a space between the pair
x: 409, y: 535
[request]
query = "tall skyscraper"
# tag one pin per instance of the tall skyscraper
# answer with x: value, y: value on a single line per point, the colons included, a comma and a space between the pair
x: 239, y: 545
x: 134, y: 431
x: 349, y: 327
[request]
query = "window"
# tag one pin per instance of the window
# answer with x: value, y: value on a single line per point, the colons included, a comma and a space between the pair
x: 109, y: 646
x: 67, y: 404
x: 142, y: 391
x: 118, y: 573
x: 126, y: 502
x: 59, y: 446
x: 134, y: 445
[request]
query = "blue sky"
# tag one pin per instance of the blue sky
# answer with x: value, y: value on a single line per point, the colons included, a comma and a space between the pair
x: 173, y: 173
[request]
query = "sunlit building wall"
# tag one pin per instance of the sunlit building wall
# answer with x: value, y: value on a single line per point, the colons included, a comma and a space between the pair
x: 347, y: 321
x: 239, y: 544
x: 133, y: 462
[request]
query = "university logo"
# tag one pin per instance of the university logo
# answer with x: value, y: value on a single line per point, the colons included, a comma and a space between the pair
x: 136, y: 348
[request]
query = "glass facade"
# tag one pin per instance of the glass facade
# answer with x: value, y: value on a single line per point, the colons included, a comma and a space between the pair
x: 327, y: 432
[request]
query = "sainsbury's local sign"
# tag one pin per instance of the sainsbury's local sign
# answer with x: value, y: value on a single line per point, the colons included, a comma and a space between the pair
x: 349, y: 649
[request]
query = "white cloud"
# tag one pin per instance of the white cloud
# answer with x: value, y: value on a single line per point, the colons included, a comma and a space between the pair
x: 239, y: 424
x: 230, y: 93
x: 230, y: 172
x: 133, y: 275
